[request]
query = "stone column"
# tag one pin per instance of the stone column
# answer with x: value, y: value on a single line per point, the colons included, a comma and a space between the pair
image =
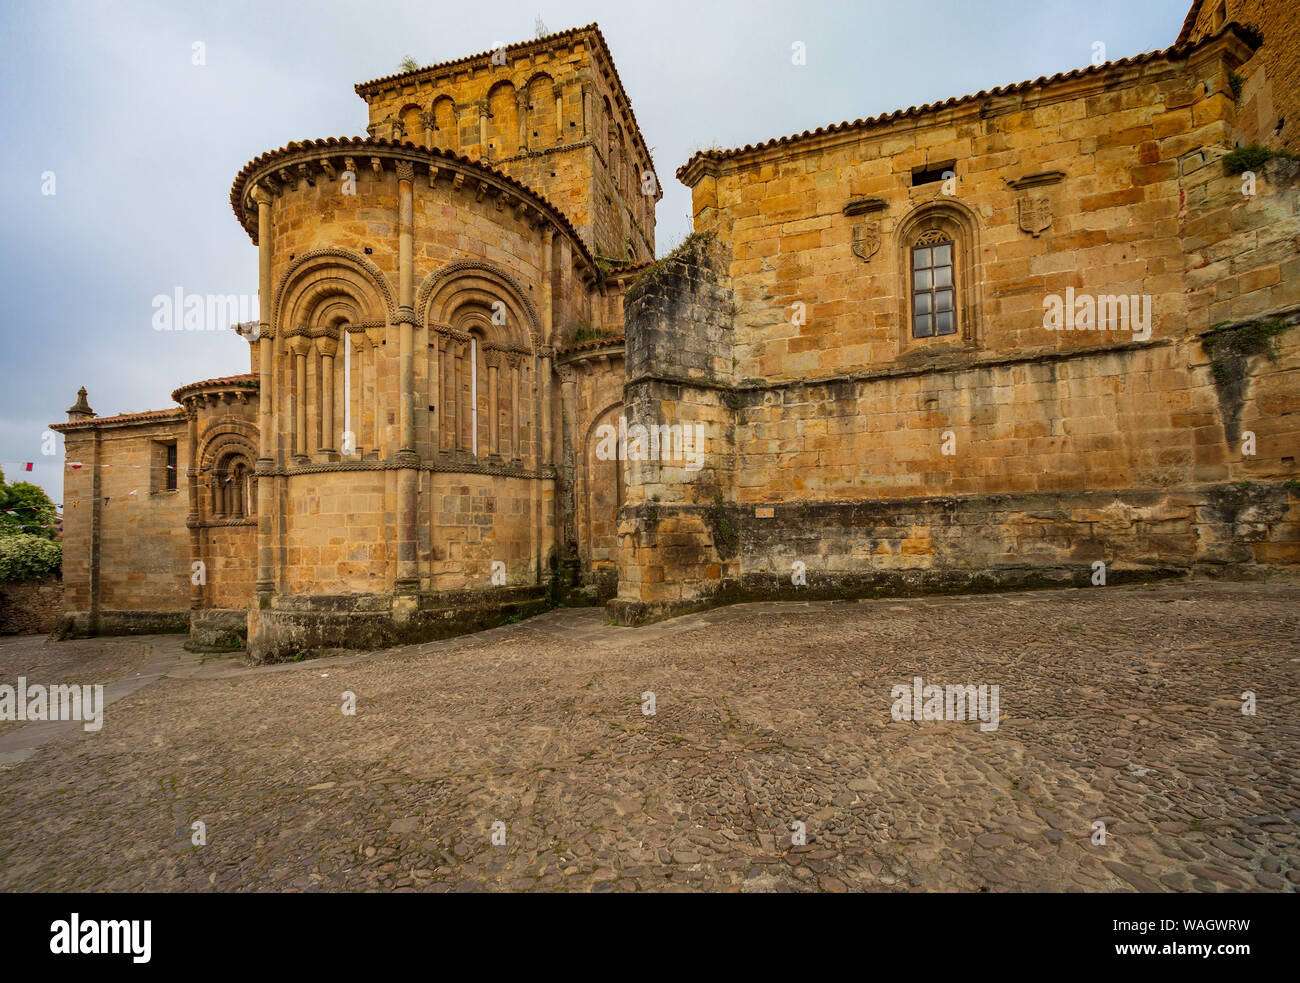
x: 482, y: 130
x: 548, y: 237
x: 311, y: 400
x: 568, y: 469
x: 564, y: 301
x: 435, y: 392
x: 328, y: 348
x: 523, y: 121
x: 406, y: 305
x: 586, y: 109
x: 494, y: 415
x: 457, y: 392
x: 356, y: 342
x: 516, y: 452
x: 192, y: 489
x: 370, y: 394
x: 300, y: 346
x: 548, y: 438
x: 559, y: 114
x: 265, y: 402
x: 407, y: 582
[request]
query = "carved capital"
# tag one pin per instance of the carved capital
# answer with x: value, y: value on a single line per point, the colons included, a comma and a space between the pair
x: 327, y: 346
x: 300, y: 345
x: 259, y: 195
x: 405, y: 170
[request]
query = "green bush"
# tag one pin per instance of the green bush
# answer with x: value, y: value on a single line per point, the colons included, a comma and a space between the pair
x: 24, y: 557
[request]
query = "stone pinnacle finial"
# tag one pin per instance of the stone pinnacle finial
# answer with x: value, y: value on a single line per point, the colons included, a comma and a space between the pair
x: 80, y: 410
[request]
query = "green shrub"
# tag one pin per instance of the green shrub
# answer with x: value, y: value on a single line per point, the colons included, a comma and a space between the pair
x: 1252, y: 158
x: 24, y: 557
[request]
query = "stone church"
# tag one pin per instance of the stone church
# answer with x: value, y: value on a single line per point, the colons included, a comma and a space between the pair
x: 1040, y: 335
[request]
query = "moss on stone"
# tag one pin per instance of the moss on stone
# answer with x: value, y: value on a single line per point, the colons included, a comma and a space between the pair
x: 1230, y: 347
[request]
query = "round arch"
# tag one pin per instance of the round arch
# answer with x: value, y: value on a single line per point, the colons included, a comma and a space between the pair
x: 958, y: 223
x: 324, y: 288
x: 449, y: 293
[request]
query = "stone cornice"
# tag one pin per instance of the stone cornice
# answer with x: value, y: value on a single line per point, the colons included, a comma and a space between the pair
x: 277, y: 170
x: 445, y: 464
x: 1042, y: 91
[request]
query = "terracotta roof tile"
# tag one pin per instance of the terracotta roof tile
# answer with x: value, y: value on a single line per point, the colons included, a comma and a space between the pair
x: 225, y: 380
x: 338, y: 145
x: 546, y: 41
x: 1174, y: 51
x: 147, y: 416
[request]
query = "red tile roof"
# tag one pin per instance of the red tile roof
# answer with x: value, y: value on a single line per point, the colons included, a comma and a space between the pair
x: 225, y: 380
x: 1174, y: 51
x: 149, y: 416
x: 521, y: 47
x: 343, y: 145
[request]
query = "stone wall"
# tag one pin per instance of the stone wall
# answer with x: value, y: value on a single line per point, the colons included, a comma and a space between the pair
x: 31, y: 607
x: 127, y: 560
x: 1269, y: 104
x: 1006, y: 454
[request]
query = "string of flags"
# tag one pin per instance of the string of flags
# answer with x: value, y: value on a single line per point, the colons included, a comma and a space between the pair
x: 78, y: 465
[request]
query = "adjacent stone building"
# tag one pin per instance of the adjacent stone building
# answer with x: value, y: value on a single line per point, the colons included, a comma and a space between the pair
x: 1039, y: 335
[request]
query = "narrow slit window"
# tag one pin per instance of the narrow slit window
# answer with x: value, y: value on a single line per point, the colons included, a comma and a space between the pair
x: 169, y: 476
x: 933, y: 299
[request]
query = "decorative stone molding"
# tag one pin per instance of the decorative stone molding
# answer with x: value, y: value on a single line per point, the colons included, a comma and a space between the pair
x: 1036, y: 180
x: 343, y: 258
x: 463, y: 267
x: 863, y: 206
x: 461, y: 463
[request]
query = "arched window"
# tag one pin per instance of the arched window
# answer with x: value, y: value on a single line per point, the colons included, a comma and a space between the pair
x: 934, y: 309
x: 231, y: 488
x: 939, y: 276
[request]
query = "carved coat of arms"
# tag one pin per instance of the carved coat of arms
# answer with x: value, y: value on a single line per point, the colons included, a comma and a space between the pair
x: 1035, y: 213
x: 866, y: 240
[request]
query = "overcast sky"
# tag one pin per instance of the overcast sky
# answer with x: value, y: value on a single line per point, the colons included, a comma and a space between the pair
x: 143, y: 144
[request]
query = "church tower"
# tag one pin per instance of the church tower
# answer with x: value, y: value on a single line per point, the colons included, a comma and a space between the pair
x: 551, y: 113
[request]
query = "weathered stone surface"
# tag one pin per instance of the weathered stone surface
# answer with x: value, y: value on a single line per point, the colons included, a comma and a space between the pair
x: 539, y: 726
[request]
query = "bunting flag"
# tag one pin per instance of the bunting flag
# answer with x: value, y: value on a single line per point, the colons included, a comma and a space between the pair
x: 28, y: 466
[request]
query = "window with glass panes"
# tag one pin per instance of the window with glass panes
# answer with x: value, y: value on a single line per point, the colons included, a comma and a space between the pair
x: 933, y: 308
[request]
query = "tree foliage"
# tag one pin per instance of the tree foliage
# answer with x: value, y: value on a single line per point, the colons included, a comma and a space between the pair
x: 33, y: 512
x: 24, y: 557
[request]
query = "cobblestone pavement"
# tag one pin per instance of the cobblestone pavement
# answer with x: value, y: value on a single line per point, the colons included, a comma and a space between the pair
x: 91, y: 660
x: 1119, y: 704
